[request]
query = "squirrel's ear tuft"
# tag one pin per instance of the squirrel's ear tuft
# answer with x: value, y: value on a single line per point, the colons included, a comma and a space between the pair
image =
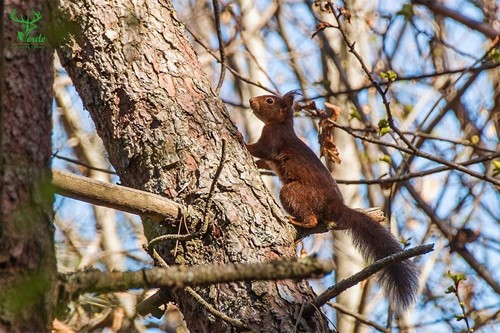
x: 288, y: 98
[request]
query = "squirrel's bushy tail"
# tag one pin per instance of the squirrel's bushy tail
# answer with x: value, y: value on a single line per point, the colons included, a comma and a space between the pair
x: 374, y: 241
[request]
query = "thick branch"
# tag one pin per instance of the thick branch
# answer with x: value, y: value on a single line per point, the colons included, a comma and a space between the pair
x: 114, y: 196
x: 96, y: 281
x: 364, y: 274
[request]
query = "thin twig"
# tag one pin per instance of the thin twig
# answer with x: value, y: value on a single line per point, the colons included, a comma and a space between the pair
x: 170, y: 237
x: 459, y: 167
x: 74, y: 161
x: 358, y: 316
x: 370, y: 139
x: 183, y: 222
x: 457, y: 142
x: 299, y: 317
x: 420, y: 134
x: 420, y: 153
x: 467, y: 69
x: 234, y: 322
x: 411, y: 175
x: 233, y: 71
x: 208, y: 203
x: 221, y: 46
x: 457, y: 278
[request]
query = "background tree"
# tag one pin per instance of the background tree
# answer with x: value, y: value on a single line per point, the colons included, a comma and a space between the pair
x: 27, y: 258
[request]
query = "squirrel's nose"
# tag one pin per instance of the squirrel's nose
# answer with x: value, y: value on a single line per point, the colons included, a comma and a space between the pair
x: 253, y: 102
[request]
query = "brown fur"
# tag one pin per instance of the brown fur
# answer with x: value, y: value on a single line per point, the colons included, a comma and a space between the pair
x: 311, y: 195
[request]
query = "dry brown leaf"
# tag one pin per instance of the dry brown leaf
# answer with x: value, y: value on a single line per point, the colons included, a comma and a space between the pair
x: 334, y: 111
x: 322, y: 6
x: 309, y: 105
x: 328, y: 148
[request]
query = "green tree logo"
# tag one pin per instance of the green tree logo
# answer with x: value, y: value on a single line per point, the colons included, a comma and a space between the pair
x: 29, y: 25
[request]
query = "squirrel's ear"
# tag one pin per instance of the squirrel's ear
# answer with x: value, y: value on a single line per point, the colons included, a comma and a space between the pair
x: 288, y: 98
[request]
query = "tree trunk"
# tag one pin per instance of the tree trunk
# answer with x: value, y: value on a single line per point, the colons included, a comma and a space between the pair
x: 164, y: 129
x: 27, y: 258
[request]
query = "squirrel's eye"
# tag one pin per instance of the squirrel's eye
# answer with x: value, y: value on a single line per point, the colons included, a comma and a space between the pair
x: 269, y: 100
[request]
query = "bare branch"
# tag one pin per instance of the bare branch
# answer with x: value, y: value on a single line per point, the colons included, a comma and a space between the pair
x: 411, y: 175
x: 449, y: 232
x: 363, y: 275
x: 401, y: 78
x: 221, y: 46
x: 95, y: 281
x: 115, y: 196
x: 233, y: 71
x: 78, y: 162
x: 439, y: 9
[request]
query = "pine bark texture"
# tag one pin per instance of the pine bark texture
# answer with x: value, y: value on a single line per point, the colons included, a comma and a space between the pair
x: 27, y: 258
x: 163, y: 129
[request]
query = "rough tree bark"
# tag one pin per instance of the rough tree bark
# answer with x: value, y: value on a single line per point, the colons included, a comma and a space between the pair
x: 27, y: 258
x: 164, y: 128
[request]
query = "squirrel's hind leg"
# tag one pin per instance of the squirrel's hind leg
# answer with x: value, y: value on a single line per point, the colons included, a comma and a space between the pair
x: 309, y: 222
x: 298, y: 200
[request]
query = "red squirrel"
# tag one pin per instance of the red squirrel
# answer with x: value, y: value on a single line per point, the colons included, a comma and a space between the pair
x: 311, y: 195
